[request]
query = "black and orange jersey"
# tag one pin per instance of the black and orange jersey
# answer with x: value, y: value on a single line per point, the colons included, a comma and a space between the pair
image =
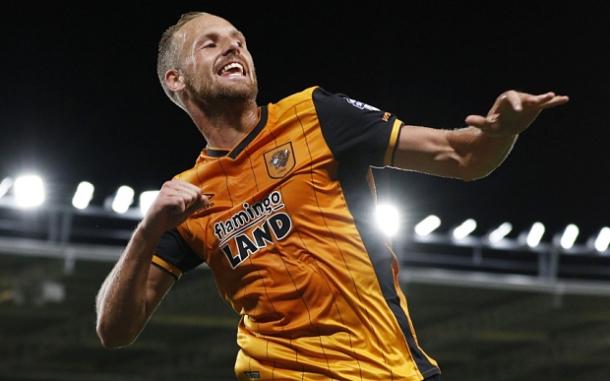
x: 291, y: 243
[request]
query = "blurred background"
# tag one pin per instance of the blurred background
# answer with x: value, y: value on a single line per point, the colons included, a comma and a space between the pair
x: 508, y: 277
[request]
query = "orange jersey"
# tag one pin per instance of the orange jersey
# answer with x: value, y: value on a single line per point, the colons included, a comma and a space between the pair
x: 291, y: 243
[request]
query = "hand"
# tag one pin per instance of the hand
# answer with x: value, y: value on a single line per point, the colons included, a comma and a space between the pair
x: 176, y: 201
x: 514, y: 111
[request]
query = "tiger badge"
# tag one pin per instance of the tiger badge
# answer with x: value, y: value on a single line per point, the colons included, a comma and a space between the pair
x: 279, y: 161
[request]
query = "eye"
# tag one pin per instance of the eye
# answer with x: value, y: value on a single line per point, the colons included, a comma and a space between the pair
x: 208, y: 45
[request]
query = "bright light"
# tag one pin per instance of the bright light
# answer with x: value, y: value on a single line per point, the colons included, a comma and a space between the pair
x: 83, y: 195
x: 5, y: 185
x: 146, y: 200
x: 500, y: 232
x: 569, y: 236
x: 427, y: 225
x: 388, y: 219
x: 464, y: 229
x: 29, y: 191
x: 603, y: 239
x: 122, y: 199
x: 535, y: 234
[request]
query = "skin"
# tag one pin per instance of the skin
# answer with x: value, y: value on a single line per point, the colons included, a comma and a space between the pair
x: 224, y: 109
x: 475, y: 151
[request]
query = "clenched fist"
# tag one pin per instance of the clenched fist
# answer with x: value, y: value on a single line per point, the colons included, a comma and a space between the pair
x: 176, y: 201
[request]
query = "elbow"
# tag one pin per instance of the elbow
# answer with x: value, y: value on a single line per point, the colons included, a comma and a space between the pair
x: 473, y: 176
x: 472, y: 170
x: 112, y: 338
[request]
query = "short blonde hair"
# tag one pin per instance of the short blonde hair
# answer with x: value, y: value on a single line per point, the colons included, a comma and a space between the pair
x: 169, y: 51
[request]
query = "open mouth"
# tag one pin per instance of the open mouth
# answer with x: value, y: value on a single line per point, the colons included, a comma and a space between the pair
x: 232, y: 69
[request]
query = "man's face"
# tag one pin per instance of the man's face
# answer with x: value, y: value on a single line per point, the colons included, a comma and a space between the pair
x: 216, y: 63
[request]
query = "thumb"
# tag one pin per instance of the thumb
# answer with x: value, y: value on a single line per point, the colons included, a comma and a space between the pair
x: 476, y: 120
x: 200, y: 202
x: 484, y: 123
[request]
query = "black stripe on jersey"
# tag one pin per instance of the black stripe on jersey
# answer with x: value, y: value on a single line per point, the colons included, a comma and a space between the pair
x: 174, y: 249
x: 360, y: 202
x: 216, y: 152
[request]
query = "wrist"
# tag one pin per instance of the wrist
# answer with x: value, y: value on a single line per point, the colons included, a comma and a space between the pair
x: 148, y: 233
x: 499, y: 135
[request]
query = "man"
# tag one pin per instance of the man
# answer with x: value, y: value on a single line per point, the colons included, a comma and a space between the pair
x: 278, y: 205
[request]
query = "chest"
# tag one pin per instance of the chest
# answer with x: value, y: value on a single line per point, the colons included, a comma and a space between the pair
x: 260, y: 197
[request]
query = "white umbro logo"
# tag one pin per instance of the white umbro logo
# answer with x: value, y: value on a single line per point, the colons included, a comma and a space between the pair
x: 361, y: 105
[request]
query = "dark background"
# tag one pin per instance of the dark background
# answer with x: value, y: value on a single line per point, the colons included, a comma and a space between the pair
x: 81, y: 100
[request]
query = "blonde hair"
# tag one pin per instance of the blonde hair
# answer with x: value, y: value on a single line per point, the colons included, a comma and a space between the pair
x: 169, y: 51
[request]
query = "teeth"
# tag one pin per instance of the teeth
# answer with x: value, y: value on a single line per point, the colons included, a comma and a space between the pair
x: 232, y: 65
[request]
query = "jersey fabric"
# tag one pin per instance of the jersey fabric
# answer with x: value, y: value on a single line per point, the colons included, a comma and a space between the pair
x: 290, y: 239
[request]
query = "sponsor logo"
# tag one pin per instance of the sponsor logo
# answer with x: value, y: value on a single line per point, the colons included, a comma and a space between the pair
x: 252, y: 228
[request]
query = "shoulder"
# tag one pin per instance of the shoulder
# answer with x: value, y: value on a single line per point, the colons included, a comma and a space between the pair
x: 302, y: 100
x: 318, y: 98
x: 298, y: 97
x: 189, y: 175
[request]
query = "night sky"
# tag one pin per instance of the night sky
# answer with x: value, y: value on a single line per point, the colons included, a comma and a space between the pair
x: 81, y: 100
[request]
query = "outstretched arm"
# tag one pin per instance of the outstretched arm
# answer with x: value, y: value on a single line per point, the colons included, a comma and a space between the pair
x: 475, y: 151
x: 134, y: 287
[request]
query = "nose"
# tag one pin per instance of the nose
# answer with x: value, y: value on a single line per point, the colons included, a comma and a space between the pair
x: 232, y: 47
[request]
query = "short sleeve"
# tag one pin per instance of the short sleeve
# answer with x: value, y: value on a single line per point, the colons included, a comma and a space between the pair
x: 355, y: 129
x: 174, y: 255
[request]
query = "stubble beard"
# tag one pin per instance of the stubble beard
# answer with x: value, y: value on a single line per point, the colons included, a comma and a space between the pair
x: 212, y: 92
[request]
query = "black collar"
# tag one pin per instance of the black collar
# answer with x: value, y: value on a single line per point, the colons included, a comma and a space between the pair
x: 245, y: 141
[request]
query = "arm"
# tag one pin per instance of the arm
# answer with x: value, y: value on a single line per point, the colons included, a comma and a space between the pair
x: 475, y: 151
x: 134, y: 287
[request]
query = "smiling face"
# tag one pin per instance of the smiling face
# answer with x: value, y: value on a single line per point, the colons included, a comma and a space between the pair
x: 214, y: 61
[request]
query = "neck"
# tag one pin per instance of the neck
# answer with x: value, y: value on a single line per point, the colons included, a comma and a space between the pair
x: 223, y: 125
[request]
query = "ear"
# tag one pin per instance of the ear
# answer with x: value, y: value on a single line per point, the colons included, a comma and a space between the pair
x: 174, y: 80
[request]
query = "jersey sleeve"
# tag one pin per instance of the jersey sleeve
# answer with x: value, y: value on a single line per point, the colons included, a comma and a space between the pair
x: 355, y: 129
x: 174, y: 255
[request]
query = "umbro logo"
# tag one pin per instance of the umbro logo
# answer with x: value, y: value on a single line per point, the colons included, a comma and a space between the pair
x: 361, y: 105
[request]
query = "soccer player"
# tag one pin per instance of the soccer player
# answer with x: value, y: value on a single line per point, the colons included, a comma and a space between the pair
x: 278, y: 205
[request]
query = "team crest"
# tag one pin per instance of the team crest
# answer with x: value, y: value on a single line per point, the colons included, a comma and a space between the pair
x: 279, y: 161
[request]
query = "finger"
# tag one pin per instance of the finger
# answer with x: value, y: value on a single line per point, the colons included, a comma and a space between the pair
x: 513, y: 98
x: 199, y: 203
x: 482, y: 122
x: 183, y: 185
x: 476, y: 121
x: 538, y: 99
x: 556, y: 101
x: 184, y: 189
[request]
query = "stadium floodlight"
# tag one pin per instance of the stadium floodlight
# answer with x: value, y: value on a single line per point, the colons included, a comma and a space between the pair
x: 123, y: 199
x: 5, y: 185
x: 29, y: 191
x: 535, y: 234
x: 146, y: 200
x: 569, y: 236
x: 388, y: 219
x: 464, y: 229
x: 603, y: 239
x: 499, y: 233
x: 427, y: 225
x: 83, y: 195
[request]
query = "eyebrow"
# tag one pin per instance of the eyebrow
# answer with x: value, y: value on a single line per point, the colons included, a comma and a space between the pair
x: 238, y: 34
x: 212, y: 35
